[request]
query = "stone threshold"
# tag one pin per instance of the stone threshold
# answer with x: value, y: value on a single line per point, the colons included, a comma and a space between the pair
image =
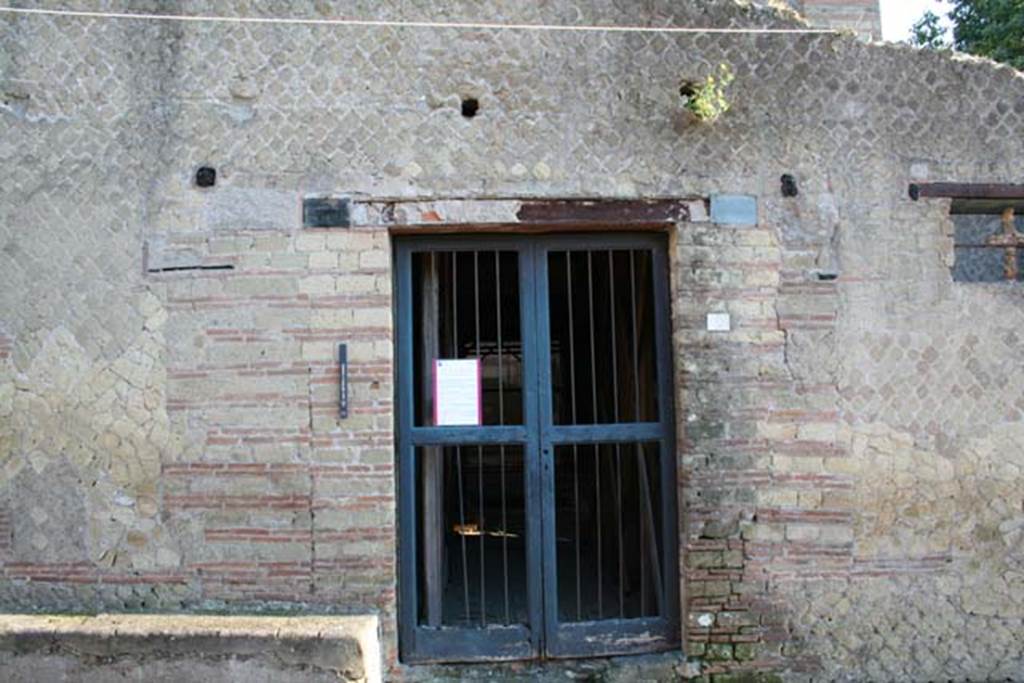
x: 173, y: 647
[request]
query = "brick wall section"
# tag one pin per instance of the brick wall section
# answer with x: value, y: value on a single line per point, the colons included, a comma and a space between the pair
x: 285, y: 502
x: 274, y: 499
x: 5, y: 532
x: 763, y: 496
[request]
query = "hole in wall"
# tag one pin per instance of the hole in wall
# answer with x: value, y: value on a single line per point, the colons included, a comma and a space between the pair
x: 206, y: 176
x: 789, y: 187
x: 470, y: 106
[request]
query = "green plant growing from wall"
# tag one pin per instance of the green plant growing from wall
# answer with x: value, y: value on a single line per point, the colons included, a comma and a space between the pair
x: 706, y: 100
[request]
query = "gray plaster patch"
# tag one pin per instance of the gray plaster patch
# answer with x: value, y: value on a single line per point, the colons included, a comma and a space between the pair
x: 236, y: 208
x: 51, y: 526
x: 728, y: 209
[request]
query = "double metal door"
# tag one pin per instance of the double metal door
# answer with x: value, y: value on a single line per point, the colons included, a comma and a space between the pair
x: 545, y: 527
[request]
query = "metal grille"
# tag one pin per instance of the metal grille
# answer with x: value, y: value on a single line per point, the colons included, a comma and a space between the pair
x: 988, y: 248
x: 607, y: 503
x: 467, y: 306
x: 602, y: 336
x: 482, y: 525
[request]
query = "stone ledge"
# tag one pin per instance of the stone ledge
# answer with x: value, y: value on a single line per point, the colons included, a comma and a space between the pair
x: 189, y: 647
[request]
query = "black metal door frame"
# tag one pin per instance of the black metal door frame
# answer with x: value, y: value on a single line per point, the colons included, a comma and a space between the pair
x: 538, y: 436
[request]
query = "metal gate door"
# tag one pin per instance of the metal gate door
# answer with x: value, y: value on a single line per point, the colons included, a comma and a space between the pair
x: 542, y: 522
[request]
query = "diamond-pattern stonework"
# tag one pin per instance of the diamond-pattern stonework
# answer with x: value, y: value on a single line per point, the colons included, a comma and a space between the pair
x: 849, y: 453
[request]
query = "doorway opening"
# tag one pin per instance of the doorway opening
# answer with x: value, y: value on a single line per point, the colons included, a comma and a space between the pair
x: 546, y: 517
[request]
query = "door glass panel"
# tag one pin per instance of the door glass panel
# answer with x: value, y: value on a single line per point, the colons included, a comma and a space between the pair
x: 466, y: 305
x: 608, y: 531
x: 603, y: 358
x: 472, y: 535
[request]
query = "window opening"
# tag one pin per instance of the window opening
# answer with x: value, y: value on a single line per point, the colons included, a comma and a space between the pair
x: 988, y: 248
x: 988, y: 235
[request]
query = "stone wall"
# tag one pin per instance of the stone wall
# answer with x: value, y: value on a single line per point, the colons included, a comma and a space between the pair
x: 850, y: 452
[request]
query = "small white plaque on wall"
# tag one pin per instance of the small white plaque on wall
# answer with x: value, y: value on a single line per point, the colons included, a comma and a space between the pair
x: 719, y: 322
x: 457, y: 392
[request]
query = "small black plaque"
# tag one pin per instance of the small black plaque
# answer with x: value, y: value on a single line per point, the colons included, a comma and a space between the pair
x: 326, y: 212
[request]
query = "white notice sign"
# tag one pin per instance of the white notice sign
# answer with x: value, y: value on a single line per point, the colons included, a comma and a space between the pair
x: 457, y: 392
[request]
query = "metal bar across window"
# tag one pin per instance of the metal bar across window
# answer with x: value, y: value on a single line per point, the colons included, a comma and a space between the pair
x: 429, y: 436
x: 606, y: 433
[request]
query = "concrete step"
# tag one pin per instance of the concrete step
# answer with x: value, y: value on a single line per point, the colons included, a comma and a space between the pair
x: 159, y: 648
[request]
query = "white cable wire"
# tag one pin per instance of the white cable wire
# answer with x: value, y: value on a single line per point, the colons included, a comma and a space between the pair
x: 472, y: 25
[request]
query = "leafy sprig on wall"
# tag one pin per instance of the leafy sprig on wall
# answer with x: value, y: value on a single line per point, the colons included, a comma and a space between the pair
x: 706, y: 99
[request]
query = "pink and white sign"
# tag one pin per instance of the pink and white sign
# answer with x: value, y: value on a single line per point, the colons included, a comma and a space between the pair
x: 457, y: 392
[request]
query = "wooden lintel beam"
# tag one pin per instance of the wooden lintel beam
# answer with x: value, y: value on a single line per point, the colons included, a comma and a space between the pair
x: 604, y: 210
x: 1008, y: 191
x: 529, y: 228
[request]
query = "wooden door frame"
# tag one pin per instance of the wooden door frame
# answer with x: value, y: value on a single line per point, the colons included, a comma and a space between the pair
x: 544, y: 636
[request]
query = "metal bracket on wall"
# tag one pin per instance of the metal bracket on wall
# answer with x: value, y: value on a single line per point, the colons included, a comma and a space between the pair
x: 343, y: 381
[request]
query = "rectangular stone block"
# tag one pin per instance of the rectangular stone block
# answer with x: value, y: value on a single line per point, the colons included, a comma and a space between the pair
x: 317, y: 285
x: 729, y: 209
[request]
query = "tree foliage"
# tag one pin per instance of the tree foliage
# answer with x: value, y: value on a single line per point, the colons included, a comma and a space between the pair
x: 989, y: 28
x: 929, y: 32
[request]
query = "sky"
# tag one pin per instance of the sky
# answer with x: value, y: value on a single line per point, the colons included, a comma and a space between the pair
x: 899, y: 15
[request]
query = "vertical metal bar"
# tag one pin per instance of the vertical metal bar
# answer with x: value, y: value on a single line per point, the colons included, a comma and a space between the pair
x: 501, y: 421
x: 612, y: 334
x: 648, y: 528
x: 636, y: 345
x: 613, y: 331
x: 462, y: 531
x: 636, y: 418
x: 575, y: 448
x: 458, y: 449
x: 618, y: 517
x: 479, y: 449
x: 597, y: 460
x: 640, y: 519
